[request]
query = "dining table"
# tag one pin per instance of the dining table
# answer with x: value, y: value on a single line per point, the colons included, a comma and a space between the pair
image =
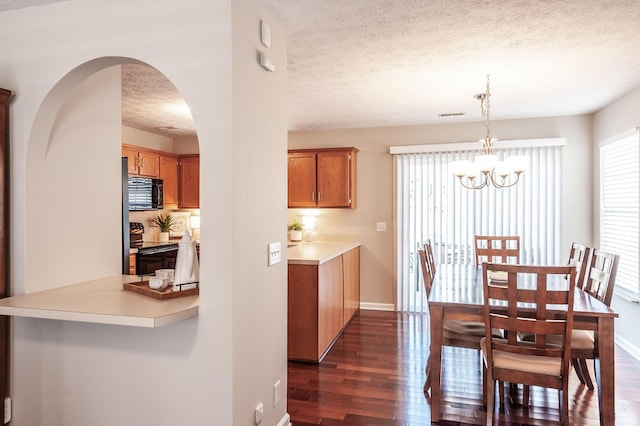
x: 457, y: 294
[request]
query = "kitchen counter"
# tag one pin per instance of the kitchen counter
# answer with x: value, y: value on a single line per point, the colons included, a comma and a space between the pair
x: 321, y: 251
x: 101, y: 301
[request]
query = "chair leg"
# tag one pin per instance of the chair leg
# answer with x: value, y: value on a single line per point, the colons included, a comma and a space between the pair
x: 484, y: 384
x: 490, y: 400
x: 585, y: 373
x: 427, y: 371
x: 577, y: 366
x: 525, y: 396
x: 501, y: 399
x: 564, y: 406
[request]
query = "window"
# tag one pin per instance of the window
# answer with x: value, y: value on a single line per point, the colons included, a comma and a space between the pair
x: 620, y: 207
x: 431, y: 203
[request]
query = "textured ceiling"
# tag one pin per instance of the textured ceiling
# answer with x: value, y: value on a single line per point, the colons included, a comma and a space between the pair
x: 151, y: 102
x: 369, y: 63
x: 363, y: 63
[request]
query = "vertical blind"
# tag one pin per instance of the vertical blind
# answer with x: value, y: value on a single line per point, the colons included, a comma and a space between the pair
x: 620, y: 207
x: 432, y: 204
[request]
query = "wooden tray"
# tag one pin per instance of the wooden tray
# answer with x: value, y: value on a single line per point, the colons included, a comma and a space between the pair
x: 142, y: 287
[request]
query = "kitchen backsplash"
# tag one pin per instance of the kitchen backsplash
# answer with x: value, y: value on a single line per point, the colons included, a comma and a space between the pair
x: 152, y: 234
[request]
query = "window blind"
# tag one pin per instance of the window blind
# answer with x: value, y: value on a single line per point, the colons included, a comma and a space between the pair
x: 431, y: 204
x: 620, y: 207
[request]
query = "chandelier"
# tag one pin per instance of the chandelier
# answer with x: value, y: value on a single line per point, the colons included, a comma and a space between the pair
x: 486, y: 169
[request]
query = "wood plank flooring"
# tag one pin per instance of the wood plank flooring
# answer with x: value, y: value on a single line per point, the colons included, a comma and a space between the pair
x: 374, y: 375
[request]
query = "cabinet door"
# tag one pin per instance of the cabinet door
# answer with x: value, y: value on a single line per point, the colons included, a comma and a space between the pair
x: 302, y: 179
x: 334, y: 179
x: 189, y: 181
x: 351, y: 270
x: 132, y: 155
x: 149, y: 164
x: 302, y: 313
x: 169, y: 176
x: 330, y: 302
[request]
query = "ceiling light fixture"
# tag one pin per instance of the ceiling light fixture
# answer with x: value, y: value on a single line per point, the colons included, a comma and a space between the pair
x: 486, y: 167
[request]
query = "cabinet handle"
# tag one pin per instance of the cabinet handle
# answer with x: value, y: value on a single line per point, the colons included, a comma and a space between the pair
x: 313, y: 196
x: 318, y: 196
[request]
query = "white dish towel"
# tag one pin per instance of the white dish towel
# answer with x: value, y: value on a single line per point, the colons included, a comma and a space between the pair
x: 187, y: 271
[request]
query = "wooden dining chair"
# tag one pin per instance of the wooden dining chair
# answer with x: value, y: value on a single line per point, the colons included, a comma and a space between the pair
x: 462, y: 334
x: 599, y: 283
x: 501, y: 248
x: 579, y: 256
x: 528, y: 302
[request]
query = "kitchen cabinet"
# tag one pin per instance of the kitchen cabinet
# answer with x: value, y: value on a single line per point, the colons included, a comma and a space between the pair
x: 351, y: 276
x: 132, y: 264
x: 189, y: 181
x: 322, y: 178
x: 322, y: 299
x: 169, y: 175
x: 142, y: 162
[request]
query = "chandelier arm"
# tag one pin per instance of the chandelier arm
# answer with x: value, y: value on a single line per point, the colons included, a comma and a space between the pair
x: 504, y: 184
x: 484, y: 183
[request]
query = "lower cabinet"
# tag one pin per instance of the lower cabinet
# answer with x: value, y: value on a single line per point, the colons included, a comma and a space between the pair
x: 322, y: 299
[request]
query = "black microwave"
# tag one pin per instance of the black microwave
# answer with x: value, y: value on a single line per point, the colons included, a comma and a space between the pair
x: 144, y: 193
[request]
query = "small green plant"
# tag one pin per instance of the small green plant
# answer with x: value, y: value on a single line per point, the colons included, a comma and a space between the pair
x: 295, y: 226
x: 164, y: 223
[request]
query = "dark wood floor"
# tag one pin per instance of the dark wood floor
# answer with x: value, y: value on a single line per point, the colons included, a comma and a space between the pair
x: 375, y: 372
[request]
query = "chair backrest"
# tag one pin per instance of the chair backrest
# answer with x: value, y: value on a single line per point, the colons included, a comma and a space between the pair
x: 430, y: 259
x: 506, y: 248
x: 579, y: 256
x: 522, y: 305
x: 427, y: 274
x: 601, y: 275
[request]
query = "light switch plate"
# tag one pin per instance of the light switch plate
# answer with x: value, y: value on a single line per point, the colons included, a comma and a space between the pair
x: 265, y: 34
x: 275, y: 253
x: 381, y: 226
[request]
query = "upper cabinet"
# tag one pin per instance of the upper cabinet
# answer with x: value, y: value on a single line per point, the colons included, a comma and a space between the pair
x: 142, y: 162
x: 189, y: 181
x: 169, y: 176
x: 322, y: 177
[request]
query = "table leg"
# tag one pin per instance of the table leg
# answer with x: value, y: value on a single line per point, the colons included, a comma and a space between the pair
x: 605, y: 371
x: 436, y: 317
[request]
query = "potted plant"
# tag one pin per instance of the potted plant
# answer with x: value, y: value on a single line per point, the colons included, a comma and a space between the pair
x: 165, y: 223
x: 295, y: 229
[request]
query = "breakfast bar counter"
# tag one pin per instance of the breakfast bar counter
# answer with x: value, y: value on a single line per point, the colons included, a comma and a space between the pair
x: 101, y: 301
x: 320, y: 251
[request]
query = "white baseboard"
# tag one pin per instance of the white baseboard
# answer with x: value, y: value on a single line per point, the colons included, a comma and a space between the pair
x: 378, y: 306
x: 285, y: 420
x: 634, y: 351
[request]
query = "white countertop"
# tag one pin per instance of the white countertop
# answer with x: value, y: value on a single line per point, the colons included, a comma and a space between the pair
x: 101, y: 301
x: 318, y: 252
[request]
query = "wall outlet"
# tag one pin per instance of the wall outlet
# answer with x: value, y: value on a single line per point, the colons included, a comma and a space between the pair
x: 381, y: 226
x: 7, y: 410
x: 276, y: 393
x: 259, y: 412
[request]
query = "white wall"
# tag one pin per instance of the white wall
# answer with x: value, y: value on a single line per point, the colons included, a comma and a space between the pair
x: 375, y: 184
x: 137, y: 137
x: 259, y: 207
x: 65, y: 373
x: 618, y: 117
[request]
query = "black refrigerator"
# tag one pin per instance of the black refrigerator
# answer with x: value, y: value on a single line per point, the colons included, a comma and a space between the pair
x: 125, y: 216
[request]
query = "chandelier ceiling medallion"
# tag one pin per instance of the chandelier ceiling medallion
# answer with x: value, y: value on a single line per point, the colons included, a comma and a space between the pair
x: 486, y: 169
